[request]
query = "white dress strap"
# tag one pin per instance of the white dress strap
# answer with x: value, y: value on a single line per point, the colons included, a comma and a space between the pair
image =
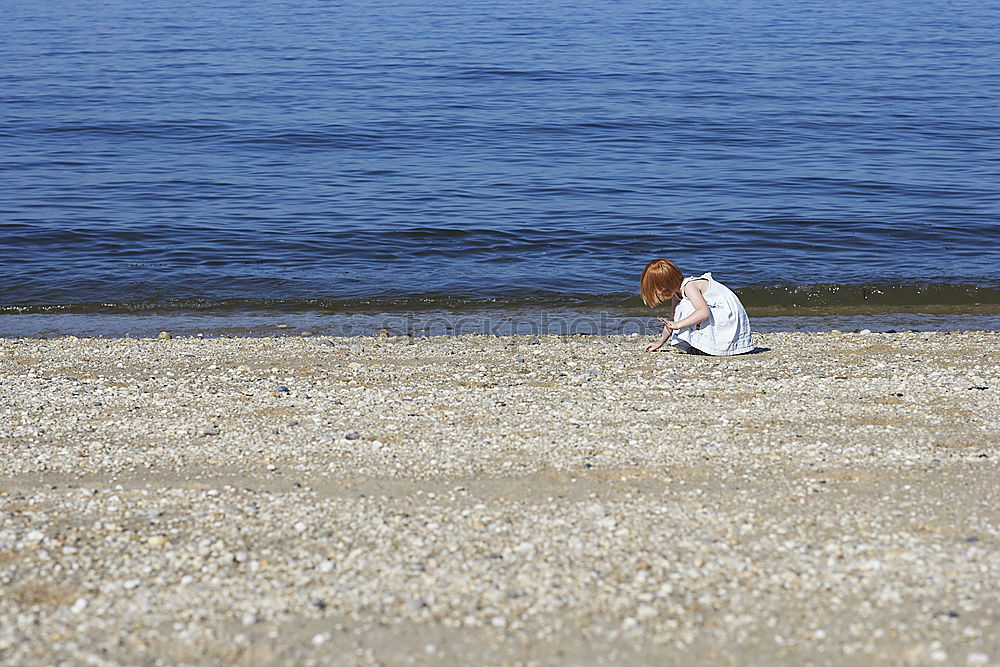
x: 704, y: 276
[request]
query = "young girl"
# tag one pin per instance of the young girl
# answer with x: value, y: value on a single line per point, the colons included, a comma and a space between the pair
x: 705, y: 315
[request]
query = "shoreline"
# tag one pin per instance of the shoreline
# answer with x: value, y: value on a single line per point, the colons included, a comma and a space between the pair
x: 457, y: 499
x: 495, y: 323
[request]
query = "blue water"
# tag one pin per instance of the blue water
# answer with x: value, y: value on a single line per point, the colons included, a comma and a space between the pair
x: 324, y: 156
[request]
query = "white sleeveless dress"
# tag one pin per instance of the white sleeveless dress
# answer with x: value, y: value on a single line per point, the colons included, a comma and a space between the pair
x: 726, y: 331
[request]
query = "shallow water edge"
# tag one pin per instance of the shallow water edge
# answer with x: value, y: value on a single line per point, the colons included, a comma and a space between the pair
x: 438, y: 323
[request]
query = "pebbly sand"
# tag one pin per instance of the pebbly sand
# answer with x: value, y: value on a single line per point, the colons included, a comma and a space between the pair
x: 832, y: 499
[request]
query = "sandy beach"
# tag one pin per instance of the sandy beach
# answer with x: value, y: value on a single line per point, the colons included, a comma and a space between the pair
x: 833, y: 498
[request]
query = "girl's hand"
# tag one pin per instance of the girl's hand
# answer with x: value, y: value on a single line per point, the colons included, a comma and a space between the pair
x: 653, y: 347
x: 668, y: 325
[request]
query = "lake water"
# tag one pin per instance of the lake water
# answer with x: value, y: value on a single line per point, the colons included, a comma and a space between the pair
x: 355, y: 166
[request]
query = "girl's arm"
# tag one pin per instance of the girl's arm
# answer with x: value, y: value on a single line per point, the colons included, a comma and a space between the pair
x: 667, y: 332
x: 664, y: 337
x: 700, y: 313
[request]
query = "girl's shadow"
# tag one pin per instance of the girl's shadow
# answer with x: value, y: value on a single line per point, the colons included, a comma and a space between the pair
x: 757, y: 350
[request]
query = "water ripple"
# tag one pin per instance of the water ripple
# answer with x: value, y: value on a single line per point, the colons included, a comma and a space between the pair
x: 315, y: 153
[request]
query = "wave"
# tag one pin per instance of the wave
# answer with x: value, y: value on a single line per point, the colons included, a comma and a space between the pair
x: 769, y: 300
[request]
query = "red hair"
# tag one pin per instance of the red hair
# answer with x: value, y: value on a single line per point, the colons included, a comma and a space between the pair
x: 660, y: 280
